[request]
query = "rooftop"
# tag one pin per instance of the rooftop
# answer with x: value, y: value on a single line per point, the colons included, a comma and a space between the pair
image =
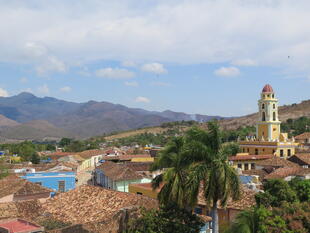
x: 267, y: 88
x: 90, y: 153
x: 249, y: 157
x: 303, y: 136
x: 304, y: 157
x: 118, y: 172
x: 19, y: 225
x: 276, y: 162
x: 93, y: 204
x: 246, y: 200
x: 17, y: 186
x: 287, y: 171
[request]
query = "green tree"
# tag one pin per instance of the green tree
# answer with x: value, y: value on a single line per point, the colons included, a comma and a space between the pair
x: 174, y: 177
x: 220, y: 180
x: 276, y: 192
x: 301, y: 188
x: 167, y: 219
x: 65, y: 142
x: 35, y: 159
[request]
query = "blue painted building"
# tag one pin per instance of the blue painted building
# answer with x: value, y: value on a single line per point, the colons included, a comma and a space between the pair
x: 58, y: 181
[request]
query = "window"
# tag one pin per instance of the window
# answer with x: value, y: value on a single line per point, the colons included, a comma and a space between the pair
x: 61, y: 186
x: 246, y: 166
x: 273, y: 151
x: 274, y: 106
x: 263, y: 106
x: 281, y: 153
x: 139, y: 193
x: 274, y: 116
x: 256, y: 151
x: 264, y: 117
x: 252, y: 165
x: 248, y: 150
x: 289, y: 152
x: 39, y: 183
x: 243, y: 149
x: 272, y: 95
x: 240, y: 165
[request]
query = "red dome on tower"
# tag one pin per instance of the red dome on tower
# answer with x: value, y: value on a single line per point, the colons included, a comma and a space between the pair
x: 267, y: 88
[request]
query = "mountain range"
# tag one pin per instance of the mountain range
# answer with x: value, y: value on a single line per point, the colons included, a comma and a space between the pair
x: 26, y: 116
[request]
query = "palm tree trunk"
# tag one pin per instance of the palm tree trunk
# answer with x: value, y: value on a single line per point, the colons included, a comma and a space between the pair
x: 215, y: 221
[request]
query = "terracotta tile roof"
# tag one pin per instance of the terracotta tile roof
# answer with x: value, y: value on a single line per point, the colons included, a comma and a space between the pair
x: 276, y: 162
x: 261, y: 173
x: 90, y: 153
x: 37, y: 167
x: 17, y: 186
x: 287, y: 171
x: 246, y: 200
x: 93, y: 204
x: 249, y: 157
x: 139, y: 167
x: 118, y: 172
x: 303, y: 136
x: 305, y: 157
x: 22, y: 209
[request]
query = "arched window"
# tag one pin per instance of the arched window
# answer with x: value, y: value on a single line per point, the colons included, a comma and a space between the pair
x: 263, y: 106
x: 274, y: 116
x: 274, y: 106
x: 256, y: 151
x: 264, y: 117
x: 272, y: 95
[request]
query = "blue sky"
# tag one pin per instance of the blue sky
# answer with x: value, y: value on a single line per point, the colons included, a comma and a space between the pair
x: 208, y: 57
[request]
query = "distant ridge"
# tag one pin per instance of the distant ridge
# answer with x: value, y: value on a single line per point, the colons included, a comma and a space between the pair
x: 26, y: 116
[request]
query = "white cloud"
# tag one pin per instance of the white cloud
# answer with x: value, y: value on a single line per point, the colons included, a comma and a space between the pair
x: 141, y: 99
x: 227, y: 71
x: 267, y: 31
x: 23, y: 80
x: 160, y: 84
x: 244, y: 62
x: 51, y: 64
x: 65, y: 89
x: 3, y: 92
x: 129, y: 64
x: 132, y: 84
x: 114, y: 73
x: 44, y: 90
x: 155, y: 67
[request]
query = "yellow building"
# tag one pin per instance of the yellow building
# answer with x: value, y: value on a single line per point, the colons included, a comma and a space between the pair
x: 268, y: 139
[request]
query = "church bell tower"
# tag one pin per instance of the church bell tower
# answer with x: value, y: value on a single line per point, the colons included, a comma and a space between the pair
x: 268, y: 124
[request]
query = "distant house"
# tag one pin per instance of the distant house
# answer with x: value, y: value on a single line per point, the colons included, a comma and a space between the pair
x: 90, y: 158
x: 288, y: 173
x: 57, y: 181
x: 17, y: 225
x: 245, y: 161
x: 302, y: 160
x: 117, y: 176
x: 275, y: 163
x: 13, y: 188
x: 303, y: 139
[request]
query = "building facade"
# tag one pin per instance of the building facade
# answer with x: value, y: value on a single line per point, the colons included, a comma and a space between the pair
x: 57, y: 181
x: 268, y: 139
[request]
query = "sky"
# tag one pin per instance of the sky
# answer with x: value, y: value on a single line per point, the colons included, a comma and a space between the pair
x: 209, y: 57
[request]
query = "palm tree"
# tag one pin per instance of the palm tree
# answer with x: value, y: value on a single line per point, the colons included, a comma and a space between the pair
x: 211, y: 172
x: 247, y: 221
x: 172, y: 161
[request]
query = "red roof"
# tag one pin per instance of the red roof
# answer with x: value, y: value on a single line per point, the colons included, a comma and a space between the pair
x: 267, y: 88
x: 250, y: 157
x: 18, y: 225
